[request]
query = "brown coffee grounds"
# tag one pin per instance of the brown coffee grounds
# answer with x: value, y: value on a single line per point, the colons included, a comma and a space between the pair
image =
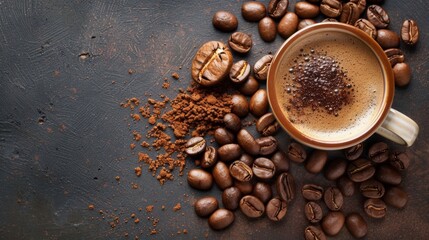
x: 138, y: 171
x: 91, y: 207
x: 149, y: 208
x: 175, y: 75
x: 177, y: 207
x: 132, y: 146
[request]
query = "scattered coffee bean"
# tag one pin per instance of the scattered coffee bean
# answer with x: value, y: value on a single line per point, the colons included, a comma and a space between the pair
x: 262, y: 191
x: 229, y: 152
x: 335, y: 169
x: 378, y: 152
x: 313, y: 212
x: 346, y: 186
x: 248, y: 142
x: 221, y: 175
x: 388, y: 174
x: 195, y: 146
x: 209, y: 158
x: 375, y: 208
x: 267, y: 125
x: 276, y: 209
x: 361, y: 4
x: 247, y: 159
x: 399, y: 160
x: 240, y: 42
x: 268, y: 145
x: 232, y: 122
x: 258, y: 103
x: 372, y: 189
x: 211, y: 63
x: 312, y: 192
x: 296, y: 152
x: 244, y: 187
x: 249, y: 87
x: 396, y: 197
x: 360, y: 170
x: 350, y: 13
x: 288, y: 25
x: 395, y: 55
x: 333, y: 222
x: 354, y: 152
x: 200, y: 179
x: 402, y: 74
x: 356, y: 225
x: 260, y: 69
x: 333, y: 198
x: 267, y: 29
x: 240, y: 171
x: 277, y: 8
x: 387, y: 38
x: 316, y: 161
x: 231, y: 198
x: 410, y: 32
x: 314, y: 233
x: 221, y: 219
x: 263, y: 168
x: 240, y: 106
x: 206, y: 206
x: 285, y: 185
x: 377, y: 16
x: 331, y: 8
x: 223, y: 136
x: 367, y: 27
x: 281, y: 161
x: 225, y: 21
x: 305, y: 23
x: 253, y: 11
x: 251, y: 206
x: 240, y: 71
x: 306, y: 10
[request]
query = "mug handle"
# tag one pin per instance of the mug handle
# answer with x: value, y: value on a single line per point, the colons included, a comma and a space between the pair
x: 399, y: 128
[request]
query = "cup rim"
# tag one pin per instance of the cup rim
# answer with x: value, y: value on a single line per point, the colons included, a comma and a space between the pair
x: 389, y: 87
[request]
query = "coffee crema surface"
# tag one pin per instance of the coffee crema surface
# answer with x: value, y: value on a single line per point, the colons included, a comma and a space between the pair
x: 363, y: 78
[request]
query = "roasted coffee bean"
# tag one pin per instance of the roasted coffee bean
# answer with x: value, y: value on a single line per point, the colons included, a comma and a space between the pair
x: 350, y: 13
x: 288, y: 25
x: 312, y: 192
x: 296, y: 152
x: 396, y: 197
x: 268, y: 145
x: 244, y: 187
x: 195, y: 146
x: 331, y: 8
x: 200, y: 179
x: 356, y: 225
x: 260, y: 69
x: 253, y: 11
x: 240, y: 42
x: 221, y: 219
x: 399, y: 160
x: 333, y: 198
x: 258, y: 103
x: 387, y: 38
x: 377, y: 16
x: 267, y: 125
x: 395, y: 55
x: 305, y: 23
x: 240, y: 171
x: 402, y: 74
x: 281, y: 161
x: 206, y: 206
x: 372, y: 189
x: 248, y: 142
x: 314, y: 233
x: 306, y: 10
x: 251, y: 206
x: 229, y: 152
x: 375, y: 208
x: 247, y: 159
x: 225, y: 21
x: 277, y: 8
x: 330, y: 20
x: 285, y: 186
x: 313, y: 212
x: 211, y: 63
x: 223, y: 136
x: 232, y: 122
x: 276, y: 209
x: 240, y: 106
x: 263, y: 168
x: 361, y: 4
x: 354, y: 152
x: 240, y: 71
x: 316, y: 161
x: 249, y: 87
x: 346, y: 186
x: 410, y: 32
x: 367, y: 27
x: 267, y: 29
x: 221, y: 175
x: 360, y: 170
x: 209, y: 158
x: 231, y: 198
x: 262, y: 191
x: 335, y: 169
x: 333, y: 222
x: 378, y: 152
x: 388, y: 174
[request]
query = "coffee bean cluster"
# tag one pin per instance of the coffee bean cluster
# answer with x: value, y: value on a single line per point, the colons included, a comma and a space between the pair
x: 376, y: 175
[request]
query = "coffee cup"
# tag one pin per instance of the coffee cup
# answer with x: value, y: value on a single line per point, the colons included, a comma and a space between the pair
x: 331, y: 86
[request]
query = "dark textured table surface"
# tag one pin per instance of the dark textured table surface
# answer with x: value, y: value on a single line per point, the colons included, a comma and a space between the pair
x: 64, y: 137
